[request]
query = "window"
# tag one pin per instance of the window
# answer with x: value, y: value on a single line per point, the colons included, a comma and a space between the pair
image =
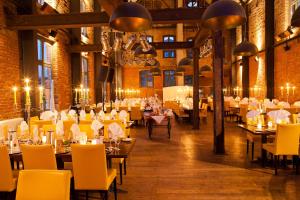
x: 149, y: 38
x: 146, y: 79
x: 45, y: 69
x: 168, y: 38
x: 169, y: 78
x: 188, y: 80
x: 189, y: 52
x: 192, y: 4
x: 169, y: 54
x: 83, y: 9
x: 84, y: 72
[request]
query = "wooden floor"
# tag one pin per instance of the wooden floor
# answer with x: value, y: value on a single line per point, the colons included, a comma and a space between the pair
x: 185, y: 167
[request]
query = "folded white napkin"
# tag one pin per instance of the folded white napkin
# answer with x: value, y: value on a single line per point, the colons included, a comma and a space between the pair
x: 252, y: 114
x: 102, y: 115
x: 63, y: 116
x: 267, y: 100
x: 113, y: 113
x: 284, y: 104
x: 92, y: 114
x: 60, y: 128
x: 158, y: 118
x: 35, y: 134
x: 275, y: 101
x: 237, y: 98
x: 75, y: 130
x: 72, y: 112
x: 279, y: 115
x: 115, y: 130
x: 23, y: 127
x: 82, y: 115
x: 47, y: 115
x: 96, y: 126
x: 123, y: 115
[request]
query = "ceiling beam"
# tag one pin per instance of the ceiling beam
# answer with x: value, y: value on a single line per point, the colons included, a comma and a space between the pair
x: 95, y: 19
x: 201, y: 36
x: 157, y: 45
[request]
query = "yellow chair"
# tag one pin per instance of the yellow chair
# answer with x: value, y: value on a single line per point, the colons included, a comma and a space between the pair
x: 88, y: 116
x: 67, y: 128
x: 38, y: 156
x: 295, y: 118
x: 4, y: 130
x: 44, y: 184
x: 85, y: 121
x: 50, y: 127
x: 7, y: 181
x: 286, y: 142
x: 136, y: 114
x: 90, y: 169
x: 87, y: 129
x: 106, y: 124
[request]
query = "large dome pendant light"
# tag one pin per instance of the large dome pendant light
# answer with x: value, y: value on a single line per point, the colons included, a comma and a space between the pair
x: 131, y: 17
x: 145, y: 55
x: 295, y: 22
x: 245, y: 48
x: 223, y: 14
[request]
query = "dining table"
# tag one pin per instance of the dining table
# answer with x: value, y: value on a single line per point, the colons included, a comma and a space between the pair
x: 157, y: 121
x: 65, y: 154
x: 264, y: 132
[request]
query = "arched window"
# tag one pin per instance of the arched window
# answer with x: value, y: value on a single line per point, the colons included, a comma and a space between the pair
x: 169, y: 78
x: 146, y: 79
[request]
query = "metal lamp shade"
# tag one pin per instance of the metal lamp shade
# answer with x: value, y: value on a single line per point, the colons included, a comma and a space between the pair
x: 142, y: 54
x: 245, y: 48
x: 155, y: 71
x: 131, y: 17
x: 296, y: 18
x: 185, y: 62
x: 224, y: 14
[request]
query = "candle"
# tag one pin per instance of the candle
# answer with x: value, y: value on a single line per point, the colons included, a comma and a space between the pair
x: 87, y: 93
x: 44, y: 139
x: 41, y: 94
x: 15, y: 94
x: 81, y: 91
x: 27, y: 82
x: 270, y: 124
x: 76, y: 95
x: 27, y: 97
x: 287, y: 89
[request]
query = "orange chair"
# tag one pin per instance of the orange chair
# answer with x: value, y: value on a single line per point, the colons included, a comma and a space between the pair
x: 90, y: 169
x: 44, y: 184
x: 67, y: 128
x: 87, y: 129
x: 38, y: 157
x: 8, y: 182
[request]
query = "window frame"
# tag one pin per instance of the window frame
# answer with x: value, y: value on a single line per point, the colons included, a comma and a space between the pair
x: 168, y: 38
x: 148, y: 78
x: 169, y: 51
x: 194, y: 3
x: 166, y: 78
x: 149, y: 36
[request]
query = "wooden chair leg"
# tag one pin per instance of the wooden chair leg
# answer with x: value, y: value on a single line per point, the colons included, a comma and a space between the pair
x: 115, y: 189
x: 125, y: 167
x: 121, y: 173
x: 252, y: 155
x: 276, y: 163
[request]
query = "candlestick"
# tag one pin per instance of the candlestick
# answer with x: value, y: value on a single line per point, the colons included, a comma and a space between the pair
x: 76, y: 95
x: 293, y: 90
x: 41, y: 95
x: 87, y: 94
x: 27, y: 97
x: 15, y: 95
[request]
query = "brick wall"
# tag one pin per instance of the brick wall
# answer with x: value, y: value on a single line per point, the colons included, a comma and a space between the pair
x: 9, y: 69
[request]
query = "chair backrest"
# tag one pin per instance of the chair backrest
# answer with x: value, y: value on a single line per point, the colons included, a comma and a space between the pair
x: 135, y: 113
x: 6, y: 180
x: 85, y: 121
x: 287, y: 139
x: 49, y: 127
x: 4, y: 130
x: 87, y: 129
x: 295, y: 118
x: 44, y: 184
x: 106, y: 124
x: 67, y: 128
x: 38, y: 157
x: 89, y: 166
x: 243, y: 112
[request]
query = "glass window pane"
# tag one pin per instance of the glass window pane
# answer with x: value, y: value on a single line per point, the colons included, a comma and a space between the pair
x: 39, y: 49
x: 40, y: 74
x: 47, y: 53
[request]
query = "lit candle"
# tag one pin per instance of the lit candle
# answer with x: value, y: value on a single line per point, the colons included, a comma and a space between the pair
x: 44, y: 139
x: 270, y: 124
x: 87, y: 94
x: 41, y: 94
x: 281, y: 90
x: 27, y: 97
x: 27, y: 82
x: 76, y: 95
x: 287, y: 89
x: 15, y: 94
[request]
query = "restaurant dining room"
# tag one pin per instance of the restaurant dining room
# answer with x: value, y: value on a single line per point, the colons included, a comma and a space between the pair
x: 150, y: 99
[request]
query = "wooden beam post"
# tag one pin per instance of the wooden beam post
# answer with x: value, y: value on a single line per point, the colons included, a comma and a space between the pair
x: 218, y: 51
x: 269, y: 35
x: 196, y: 53
x: 245, y: 59
x: 233, y: 58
